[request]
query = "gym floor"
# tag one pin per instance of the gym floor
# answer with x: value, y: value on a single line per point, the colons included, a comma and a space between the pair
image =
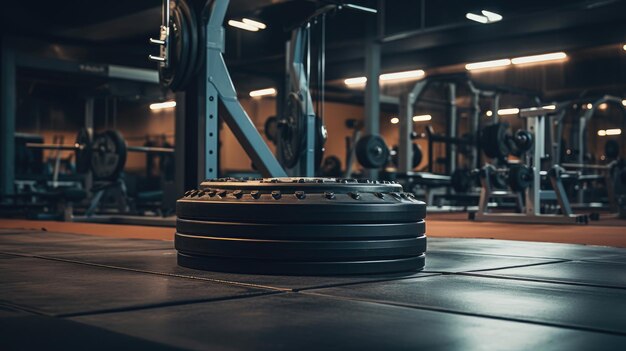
x: 96, y: 286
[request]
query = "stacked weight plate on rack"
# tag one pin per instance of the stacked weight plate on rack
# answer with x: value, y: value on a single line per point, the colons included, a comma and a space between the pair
x: 301, y: 226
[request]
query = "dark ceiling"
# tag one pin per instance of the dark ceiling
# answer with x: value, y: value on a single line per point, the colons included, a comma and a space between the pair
x: 424, y: 34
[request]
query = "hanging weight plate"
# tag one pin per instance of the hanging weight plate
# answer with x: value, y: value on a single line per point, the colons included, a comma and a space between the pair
x: 83, y: 151
x: 271, y: 128
x: 494, y: 140
x: 321, y: 134
x: 292, y: 129
x: 523, y: 142
x: 300, y: 226
x: 372, y: 151
x: 416, y: 159
x: 108, y: 155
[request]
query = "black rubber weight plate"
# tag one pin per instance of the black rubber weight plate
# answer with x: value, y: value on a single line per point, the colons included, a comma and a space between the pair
x: 301, y: 268
x: 301, y: 231
x: 310, y: 250
x: 290, y: 212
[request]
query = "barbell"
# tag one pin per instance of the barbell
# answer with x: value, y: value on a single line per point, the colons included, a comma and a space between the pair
x: 104, y: 155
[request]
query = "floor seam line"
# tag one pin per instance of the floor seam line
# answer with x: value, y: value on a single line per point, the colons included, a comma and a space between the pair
x: 444, y: 310
x: 539, y: 280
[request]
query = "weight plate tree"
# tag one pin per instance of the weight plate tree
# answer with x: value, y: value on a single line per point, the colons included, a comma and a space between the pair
x: 301, y: 226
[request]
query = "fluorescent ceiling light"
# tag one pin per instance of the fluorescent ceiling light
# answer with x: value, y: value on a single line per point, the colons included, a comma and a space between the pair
x: 539, y: 58
x: 489, y: 113
x: 491, y: 16
x: 549, y: 107
x: 387, y: 77
x: 254, y: 23
x: 602, y: 132
x: 477, y: 18
x: 508, y: 111
x: 242, y: 25
x: 418, y: 73
x: 486, y: 17
x: 162, y: 105
x: 613, y: 131
x: 395, y: 120
x: 263, y: 92
x: 422, y: 118
x: 487, y: 64
x: 355, y: 81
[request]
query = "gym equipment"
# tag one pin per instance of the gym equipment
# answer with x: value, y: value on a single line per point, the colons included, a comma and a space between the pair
x: 462, y: 180
x: 497, y: 143
x: 108, y: 155
x: 372, y: 151
x: 331, y: 167
x: 524, y: 179
x: 300, y: 226
x: 416, y: 159
x: 105, y: 156
x: 271, y: 129
x: 181, y: 43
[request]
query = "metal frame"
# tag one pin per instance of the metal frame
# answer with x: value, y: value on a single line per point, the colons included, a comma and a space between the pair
x: 221, y: 87
x: 531, y: 211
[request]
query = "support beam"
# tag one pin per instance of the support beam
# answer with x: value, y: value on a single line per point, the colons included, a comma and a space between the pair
x: 8, y: 100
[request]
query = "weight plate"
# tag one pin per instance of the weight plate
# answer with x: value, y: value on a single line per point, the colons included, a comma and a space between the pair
x: 292, y: 129
x: 300, y: 223
x: 108, y: 155
x: 331, y: 167
x: 372, y: 151
x: 225, y: 264
x: 265, y: 211
x: 416, y: 159
x: 300, y: 250
x: 83, y: 151
x: 494, y: 141
x: 271, y: 128
x: 520, y: 177
x: 461, y: 180
x: 315, y: 231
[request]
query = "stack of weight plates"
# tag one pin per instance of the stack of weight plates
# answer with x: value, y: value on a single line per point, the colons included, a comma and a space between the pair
x: 301, y: 226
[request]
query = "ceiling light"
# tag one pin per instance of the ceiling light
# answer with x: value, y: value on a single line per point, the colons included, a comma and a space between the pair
x: 613, y: 131
x: 623, y: 102
x: 162, y: 105
x: 263, y: 92
x: 254, y: 23
x: 487, y: 64
x: 486, y: 17
x: 589, y: 106
x: 491, y: 16
x: 624, y: 47
x: 603, y: 106
x: 242, y: 25
x: 489, y: 113
x: 355, y: 81
x: 549, y: 107
x: 395, y: 120
x: 418, y: 73
x: 602, y: 132
x: 508, y: 111
x: 422, y: 118
x: 477, y: 18
x: 539, y: 58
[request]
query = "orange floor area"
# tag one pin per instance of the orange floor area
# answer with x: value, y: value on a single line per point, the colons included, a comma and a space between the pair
x: 612, y: 233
